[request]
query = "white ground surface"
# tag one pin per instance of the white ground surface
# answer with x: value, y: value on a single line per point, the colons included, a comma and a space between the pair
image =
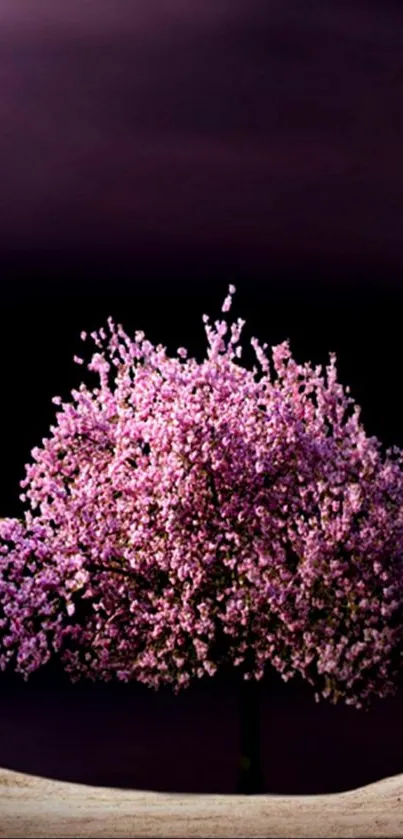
x: 37, y: 807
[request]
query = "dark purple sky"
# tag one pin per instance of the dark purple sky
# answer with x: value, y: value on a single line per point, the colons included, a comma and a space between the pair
x: 229, y: 138
x: 257, y: 131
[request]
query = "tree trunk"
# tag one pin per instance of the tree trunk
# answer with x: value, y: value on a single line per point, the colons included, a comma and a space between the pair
x: 250, y: 781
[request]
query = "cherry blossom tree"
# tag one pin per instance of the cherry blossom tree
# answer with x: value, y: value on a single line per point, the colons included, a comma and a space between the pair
x: 188, y: 515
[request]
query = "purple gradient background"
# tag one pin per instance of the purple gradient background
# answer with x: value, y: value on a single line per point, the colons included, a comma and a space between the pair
x: 265, y: 132
x: 151, y: 152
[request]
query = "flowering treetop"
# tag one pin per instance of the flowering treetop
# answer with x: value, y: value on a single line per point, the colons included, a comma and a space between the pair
x: 183, y: 514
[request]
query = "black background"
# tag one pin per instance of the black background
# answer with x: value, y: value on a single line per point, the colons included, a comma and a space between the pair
x: 151, y: 154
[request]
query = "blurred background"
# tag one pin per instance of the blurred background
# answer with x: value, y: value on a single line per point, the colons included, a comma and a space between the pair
x: 151, y: 153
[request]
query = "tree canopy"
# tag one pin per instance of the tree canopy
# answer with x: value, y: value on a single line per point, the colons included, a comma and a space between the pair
x: 183, y: 514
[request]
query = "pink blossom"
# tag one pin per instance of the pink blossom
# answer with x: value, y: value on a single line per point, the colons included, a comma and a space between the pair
x: 187, y: 513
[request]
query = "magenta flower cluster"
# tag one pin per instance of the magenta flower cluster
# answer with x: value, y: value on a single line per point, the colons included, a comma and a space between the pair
x: 186, y: 514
